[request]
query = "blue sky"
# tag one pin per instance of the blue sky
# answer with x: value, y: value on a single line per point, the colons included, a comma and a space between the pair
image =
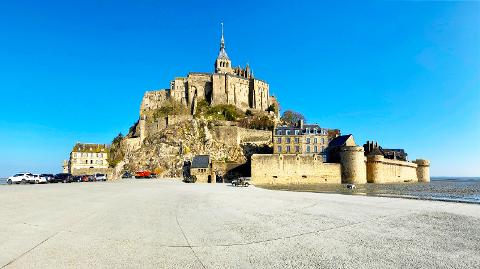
x: 404, y: 73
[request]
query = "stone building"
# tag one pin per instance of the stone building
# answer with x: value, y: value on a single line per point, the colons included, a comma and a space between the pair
x: 372, y: 148
x: 226, y: 85
x: 300, y: 139
x: 88, y: 158
x: 201, y: 168
x: 346, y: 163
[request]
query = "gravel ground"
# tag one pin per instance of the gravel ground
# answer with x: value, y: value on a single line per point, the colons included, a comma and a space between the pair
x: 169, y: 224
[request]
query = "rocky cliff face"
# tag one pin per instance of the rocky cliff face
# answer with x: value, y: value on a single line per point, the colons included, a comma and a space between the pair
x: 165, y: 151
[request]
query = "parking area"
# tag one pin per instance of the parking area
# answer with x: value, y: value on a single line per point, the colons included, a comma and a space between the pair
x: 163, y: 223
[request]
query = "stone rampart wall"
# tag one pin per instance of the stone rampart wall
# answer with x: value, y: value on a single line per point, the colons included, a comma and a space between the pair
x: 381, y: 170
x: 254, y: 136
x: 234, y: 135
x: 293, y: 169
x: 153, y: 100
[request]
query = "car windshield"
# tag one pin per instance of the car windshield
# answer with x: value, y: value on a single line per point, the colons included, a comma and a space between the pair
x: 18, y: 175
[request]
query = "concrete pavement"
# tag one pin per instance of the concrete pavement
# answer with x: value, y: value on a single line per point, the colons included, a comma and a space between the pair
x: 169, y: 224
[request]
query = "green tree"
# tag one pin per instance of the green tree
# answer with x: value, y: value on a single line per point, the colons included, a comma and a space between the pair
x: 116, y: 153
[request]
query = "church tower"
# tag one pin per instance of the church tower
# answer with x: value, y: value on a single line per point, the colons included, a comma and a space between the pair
x: 223, y: 64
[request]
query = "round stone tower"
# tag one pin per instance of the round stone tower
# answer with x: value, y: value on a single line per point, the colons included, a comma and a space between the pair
x: 353, y: 165
x: 374, y: 169
x: 423, y: 170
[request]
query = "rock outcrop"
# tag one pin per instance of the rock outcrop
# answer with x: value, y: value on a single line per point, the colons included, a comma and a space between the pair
x: 164, y: 152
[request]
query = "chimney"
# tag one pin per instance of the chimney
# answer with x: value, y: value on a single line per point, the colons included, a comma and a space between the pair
x: 300, y: 124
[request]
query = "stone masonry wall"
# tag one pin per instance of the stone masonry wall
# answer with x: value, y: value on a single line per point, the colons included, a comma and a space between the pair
x: 293, y: 169
x: 352, y: 160
x: 236, y: 135
x: 381, y: 170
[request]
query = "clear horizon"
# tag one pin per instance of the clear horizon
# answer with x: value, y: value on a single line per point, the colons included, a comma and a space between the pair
x: 403, y: 73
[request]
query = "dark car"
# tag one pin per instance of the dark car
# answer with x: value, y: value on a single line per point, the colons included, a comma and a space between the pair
x: 62, y: 177
x: 77, y: 178
x: 127, y: 175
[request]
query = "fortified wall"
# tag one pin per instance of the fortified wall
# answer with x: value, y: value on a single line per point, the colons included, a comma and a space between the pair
x: 234, y: 135
x: 353, y: 168
x: 293, y: 169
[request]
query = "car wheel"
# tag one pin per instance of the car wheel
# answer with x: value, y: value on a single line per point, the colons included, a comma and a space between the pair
x: 64, y: 181
x: 24, y: 181
x: 9, y: 182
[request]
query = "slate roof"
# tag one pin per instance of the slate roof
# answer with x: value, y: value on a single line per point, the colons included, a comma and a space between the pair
x: 90, y: 148
x: 303, y: 130
x: 339, y: 141
x: 223, y: 54
x: 201, y: 161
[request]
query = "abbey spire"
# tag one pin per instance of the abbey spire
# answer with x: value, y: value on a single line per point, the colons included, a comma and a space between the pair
x: 223, y: 63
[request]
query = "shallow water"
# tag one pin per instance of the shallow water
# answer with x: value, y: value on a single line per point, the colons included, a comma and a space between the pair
x: 440, y: 188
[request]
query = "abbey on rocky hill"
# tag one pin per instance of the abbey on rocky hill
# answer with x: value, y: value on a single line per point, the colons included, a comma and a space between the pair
x: 227, y: 85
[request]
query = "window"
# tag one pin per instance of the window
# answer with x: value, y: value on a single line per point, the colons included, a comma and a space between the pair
x: 296, y: 132
x: 279, y: 149
x: 279, y: 140
x: 315, y: 149
x: 308, y: 140
x: 323, y: 148
x: 297, y: 140
x: 308, y: 148
x: 297, y: 149
x: 307, y: 130
x: 86, y: 161
x: 315, y: 131
x: 288, y: 149
x: 287, y: 132
x: 315, y: 140
x: 279, y: 132
x: 323, y: 140
x: 91, y: 161
x: 101, y: 162
x: 288, y: 140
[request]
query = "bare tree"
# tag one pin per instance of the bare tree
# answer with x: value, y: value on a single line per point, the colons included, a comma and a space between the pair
x: 291, y: 117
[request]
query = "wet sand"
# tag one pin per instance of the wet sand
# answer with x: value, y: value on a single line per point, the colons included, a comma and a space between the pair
x: 466, y: 190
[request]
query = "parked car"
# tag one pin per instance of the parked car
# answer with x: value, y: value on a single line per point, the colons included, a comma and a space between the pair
x: 241, y: 181
x: 77, y: 178
x: 22, y: 178
x: 62, y: 177
x: 45, y: 178
x: 127, y: 175
x: 37, y: 179
x: 100, y: 177
x: 143, y: 174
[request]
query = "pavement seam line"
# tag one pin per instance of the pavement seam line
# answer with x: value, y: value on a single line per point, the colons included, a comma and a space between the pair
x: 26, y: 252
x: 188, y: 242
